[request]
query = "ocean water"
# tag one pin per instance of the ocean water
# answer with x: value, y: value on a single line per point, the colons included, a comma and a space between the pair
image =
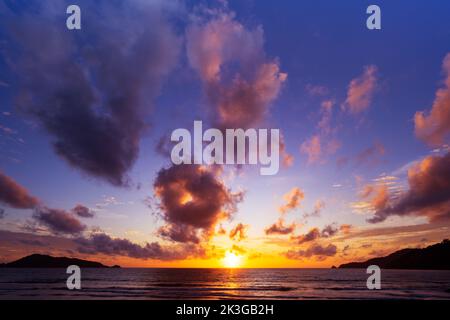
x: 223, y: 284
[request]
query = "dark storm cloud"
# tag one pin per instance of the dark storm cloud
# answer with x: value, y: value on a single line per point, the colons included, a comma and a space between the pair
x: 428, y: 194
x: 193, y: 198
x: 2, y: 213
x: 91, y: 89
x: 14, y: 195
x: 82, y: 211
x: 103, y: 244
x: 58, y: 221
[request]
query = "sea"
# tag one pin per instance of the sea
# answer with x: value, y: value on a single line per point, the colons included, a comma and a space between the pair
x: 223, y: 284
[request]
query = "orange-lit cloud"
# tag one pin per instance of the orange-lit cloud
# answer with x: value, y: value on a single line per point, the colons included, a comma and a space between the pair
x: 318, y: 207
x: 239, y: 232
x: 428, y: 194
x: 314, y: 234
x: 292, y: 200
x: 287, y: 159
x: 361, y: 90
x: 315, y: 148
x: 312, y: 148
x: 280, y: 228
x: 434, y: 127
x: 192, y: 199
x: 238, y: 99
x: 346, y: 228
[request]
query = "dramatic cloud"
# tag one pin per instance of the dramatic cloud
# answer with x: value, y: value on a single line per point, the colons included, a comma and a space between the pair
x: 292, y: 199
x: 317, y: 250
x: 58, y: 221
x: 378, y: 195
x: 91, y: 90
x: 239, y: 81
x: 101, y: 243
x: 14, y: 195
x: 428, y: 194
x: 280, y: 228
x: 239, y: 232
x: 82, y: 211
x: 2, y: 213
x: 434, y: 127
x: 193, y: 197
x: 361, y: 90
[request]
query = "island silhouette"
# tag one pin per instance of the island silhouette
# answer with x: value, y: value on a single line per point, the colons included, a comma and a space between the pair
x: 46, y: 261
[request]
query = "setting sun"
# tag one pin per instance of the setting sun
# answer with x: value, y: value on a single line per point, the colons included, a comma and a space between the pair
x: 232, y: 260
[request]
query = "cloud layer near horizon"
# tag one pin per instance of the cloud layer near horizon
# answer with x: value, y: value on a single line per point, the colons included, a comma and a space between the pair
x: 100, y: 243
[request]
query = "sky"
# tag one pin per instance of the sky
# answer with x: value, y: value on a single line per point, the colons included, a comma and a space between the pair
x: 86, y: 117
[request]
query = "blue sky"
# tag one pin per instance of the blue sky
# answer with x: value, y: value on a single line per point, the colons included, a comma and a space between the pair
x: 320, y: 44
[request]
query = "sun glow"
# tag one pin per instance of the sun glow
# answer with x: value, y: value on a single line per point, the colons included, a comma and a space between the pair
x: 187, y: 197
x: 232, y: 260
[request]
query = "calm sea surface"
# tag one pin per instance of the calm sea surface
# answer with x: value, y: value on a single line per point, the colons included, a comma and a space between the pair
x: 223, y: 284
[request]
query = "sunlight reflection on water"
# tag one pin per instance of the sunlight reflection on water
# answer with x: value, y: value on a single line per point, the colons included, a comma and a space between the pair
x: 223, y: 284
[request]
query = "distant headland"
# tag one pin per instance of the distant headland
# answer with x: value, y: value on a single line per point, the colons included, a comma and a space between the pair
x: 434, y: 257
